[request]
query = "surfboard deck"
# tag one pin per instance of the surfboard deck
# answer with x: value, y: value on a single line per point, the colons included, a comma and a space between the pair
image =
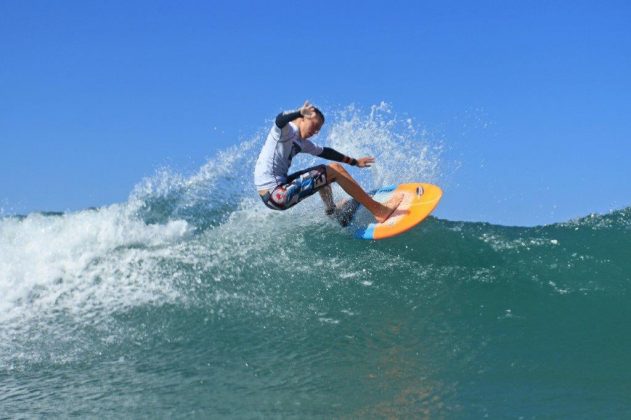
x: 419, y: 200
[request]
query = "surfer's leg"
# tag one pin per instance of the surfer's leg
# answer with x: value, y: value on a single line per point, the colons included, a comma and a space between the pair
x: 337, y: 173
x: 326, y: 194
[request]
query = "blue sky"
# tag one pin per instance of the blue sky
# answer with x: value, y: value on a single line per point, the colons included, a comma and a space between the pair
x: 532, y: 98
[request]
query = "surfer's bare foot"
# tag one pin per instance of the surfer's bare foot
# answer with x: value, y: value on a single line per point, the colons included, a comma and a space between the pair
x: 387, y: 208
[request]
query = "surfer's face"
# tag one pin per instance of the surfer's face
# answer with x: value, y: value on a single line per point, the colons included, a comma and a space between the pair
x: 310, y: 127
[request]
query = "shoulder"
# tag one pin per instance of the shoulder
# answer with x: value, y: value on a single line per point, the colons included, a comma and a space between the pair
x: 288, y: 132
x: 310, y: 147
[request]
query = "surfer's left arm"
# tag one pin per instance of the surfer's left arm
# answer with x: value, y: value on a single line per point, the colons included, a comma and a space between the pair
x: 332, y: 154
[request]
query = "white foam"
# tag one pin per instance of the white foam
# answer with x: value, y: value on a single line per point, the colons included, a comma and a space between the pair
x: 75, y: 260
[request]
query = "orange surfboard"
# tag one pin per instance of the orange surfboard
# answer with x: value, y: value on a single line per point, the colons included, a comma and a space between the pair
x: 419, y: 200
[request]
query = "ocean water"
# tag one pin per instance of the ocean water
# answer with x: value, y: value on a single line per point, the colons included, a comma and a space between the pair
x: 192, y: 300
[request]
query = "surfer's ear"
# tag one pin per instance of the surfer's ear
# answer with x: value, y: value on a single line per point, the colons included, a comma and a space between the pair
x: 319, y: 114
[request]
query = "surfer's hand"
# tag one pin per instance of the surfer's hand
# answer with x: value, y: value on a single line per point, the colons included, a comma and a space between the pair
x: 307, y: 110
x: 365, y: 162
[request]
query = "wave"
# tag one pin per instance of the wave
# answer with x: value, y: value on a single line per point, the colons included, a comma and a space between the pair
x: 204, y: 242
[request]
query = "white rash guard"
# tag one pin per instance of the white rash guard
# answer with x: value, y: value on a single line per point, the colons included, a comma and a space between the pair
x: 281, y: 145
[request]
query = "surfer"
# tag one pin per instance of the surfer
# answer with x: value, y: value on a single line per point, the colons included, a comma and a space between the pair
x: 290, y: 136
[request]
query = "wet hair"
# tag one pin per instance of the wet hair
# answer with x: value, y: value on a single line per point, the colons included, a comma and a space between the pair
x: 319, y: 114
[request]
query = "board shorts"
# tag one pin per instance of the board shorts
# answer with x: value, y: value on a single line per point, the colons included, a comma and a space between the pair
x: 298, y: 186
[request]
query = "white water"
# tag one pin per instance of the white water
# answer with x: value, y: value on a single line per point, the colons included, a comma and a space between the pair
x: 76, y: 261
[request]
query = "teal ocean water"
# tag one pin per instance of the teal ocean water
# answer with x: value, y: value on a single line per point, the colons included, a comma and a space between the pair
x: 192, y: 300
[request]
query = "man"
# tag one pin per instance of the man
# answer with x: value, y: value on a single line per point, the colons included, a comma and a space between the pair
x: 288, y: 137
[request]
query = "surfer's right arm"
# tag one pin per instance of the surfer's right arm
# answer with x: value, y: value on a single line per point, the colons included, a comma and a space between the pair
x: 284, y: 118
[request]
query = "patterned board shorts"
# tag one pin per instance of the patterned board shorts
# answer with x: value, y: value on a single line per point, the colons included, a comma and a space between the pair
x: 298, y: 186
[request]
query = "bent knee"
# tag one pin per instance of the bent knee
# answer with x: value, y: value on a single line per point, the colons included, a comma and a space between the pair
x: 337, y: 167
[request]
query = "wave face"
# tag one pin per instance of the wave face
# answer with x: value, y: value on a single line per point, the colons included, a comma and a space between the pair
x: 192, y: 299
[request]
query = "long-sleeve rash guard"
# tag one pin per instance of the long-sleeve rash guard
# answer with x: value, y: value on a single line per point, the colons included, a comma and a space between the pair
x: 282, y: 144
